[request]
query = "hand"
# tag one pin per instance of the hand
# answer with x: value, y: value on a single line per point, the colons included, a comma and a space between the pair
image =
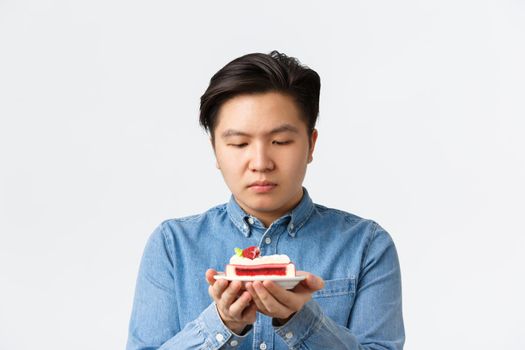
x: 279, y: 303
x: 235, y: 306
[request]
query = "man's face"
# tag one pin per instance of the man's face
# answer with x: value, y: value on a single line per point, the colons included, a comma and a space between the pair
x: 262, y: 149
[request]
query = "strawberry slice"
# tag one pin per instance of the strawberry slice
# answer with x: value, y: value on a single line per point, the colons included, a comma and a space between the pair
x: 251, y: 252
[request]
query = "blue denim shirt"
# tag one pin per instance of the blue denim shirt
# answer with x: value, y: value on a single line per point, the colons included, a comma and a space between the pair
x: 359, y: 307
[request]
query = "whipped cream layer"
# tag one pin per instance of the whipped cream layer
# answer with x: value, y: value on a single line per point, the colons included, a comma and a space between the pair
x: 267, y: 259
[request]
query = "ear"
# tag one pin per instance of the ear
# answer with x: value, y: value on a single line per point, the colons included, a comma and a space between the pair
x: 313, y: 140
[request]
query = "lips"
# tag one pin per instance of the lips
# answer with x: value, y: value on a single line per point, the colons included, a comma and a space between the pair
x: 261, y: 187
x: 262, y: 183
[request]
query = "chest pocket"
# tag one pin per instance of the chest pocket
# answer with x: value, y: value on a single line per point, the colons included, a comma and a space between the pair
x: 336, y: 299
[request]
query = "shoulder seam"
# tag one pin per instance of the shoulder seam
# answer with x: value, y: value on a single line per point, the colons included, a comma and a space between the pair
x: 167, y: 240
x: 352, y: 218
x: 369, y: 243
x: 219, y: 208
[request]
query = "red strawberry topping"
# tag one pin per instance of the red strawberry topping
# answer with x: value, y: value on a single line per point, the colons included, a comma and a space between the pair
x: 251, y: 252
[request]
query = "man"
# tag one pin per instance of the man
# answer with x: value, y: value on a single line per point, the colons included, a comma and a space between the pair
x: 260, y: 111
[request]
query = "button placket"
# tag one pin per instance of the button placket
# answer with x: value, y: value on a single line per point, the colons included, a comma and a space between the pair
x: 266, y: 248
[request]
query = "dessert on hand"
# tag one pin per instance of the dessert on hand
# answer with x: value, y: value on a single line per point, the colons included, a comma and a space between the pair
x: 248, y: 262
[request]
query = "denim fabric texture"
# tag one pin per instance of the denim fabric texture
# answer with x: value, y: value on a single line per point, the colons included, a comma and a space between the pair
x: 359, y: 307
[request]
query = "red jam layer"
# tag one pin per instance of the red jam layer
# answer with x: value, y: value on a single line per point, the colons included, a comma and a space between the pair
x: 263, y: 270
x: 277, y: 271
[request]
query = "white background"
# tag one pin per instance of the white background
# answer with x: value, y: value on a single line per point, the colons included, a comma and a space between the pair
x: 421, y: 129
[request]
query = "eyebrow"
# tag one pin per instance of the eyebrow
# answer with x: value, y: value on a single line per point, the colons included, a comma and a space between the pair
x: 280, y: 129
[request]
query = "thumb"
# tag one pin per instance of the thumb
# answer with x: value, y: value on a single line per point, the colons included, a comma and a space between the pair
x: 314, y: 282
x: 209, y: 276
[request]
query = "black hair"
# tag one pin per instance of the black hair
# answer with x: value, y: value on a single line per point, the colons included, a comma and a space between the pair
x: 260, y: 73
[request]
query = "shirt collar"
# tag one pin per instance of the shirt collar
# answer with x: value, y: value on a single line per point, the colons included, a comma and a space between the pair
x: 297, y: 217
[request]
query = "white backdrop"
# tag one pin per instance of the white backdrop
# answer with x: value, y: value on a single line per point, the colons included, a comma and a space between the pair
x: 421, y: 128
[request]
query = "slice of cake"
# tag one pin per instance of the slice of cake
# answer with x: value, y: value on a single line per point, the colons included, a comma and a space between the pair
x: 248, y: 262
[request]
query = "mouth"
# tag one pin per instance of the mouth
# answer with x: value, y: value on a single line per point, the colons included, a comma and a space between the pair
x: 262, y: 183
x: 262, y: 186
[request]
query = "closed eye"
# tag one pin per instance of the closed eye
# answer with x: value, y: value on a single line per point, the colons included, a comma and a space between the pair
x: 238, y: 145
x: 281, y: 143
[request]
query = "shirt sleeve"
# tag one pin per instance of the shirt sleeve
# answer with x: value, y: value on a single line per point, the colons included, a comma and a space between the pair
x: 376, y: 320
x: 154, y: 320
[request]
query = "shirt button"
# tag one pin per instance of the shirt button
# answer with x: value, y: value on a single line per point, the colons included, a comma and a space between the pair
x: 250, y: 220
x: 263, y: 346
x: 267, y: 240
x: 219, y: 337
x: 288, y: 335
x: 234, y: 343
x: 291, y: 226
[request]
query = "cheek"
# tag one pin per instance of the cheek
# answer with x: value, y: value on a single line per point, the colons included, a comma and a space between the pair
x: 230, y: 164
x: 294, y: 167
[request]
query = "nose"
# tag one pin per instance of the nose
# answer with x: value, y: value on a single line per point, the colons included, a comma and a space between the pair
x: 261, y: 159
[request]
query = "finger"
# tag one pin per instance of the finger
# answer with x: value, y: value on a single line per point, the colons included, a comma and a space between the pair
x: 238, y: 306
x: 218, y: 288
x: 291, y: 300
x: 230, y: 294
x: 314, y: 282
x: 275, y: 289
x: 311, y: 282
x: 255, y: 298
x: 301, y: 283
x: 249, y: 315
x: 271, y: 305
x: 209, y: 276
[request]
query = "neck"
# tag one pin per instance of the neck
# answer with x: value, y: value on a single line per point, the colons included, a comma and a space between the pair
x: 267, y: 218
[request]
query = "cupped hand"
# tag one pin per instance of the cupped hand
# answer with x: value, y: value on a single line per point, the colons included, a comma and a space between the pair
x: 234, y: 305
x: 279, y: 303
